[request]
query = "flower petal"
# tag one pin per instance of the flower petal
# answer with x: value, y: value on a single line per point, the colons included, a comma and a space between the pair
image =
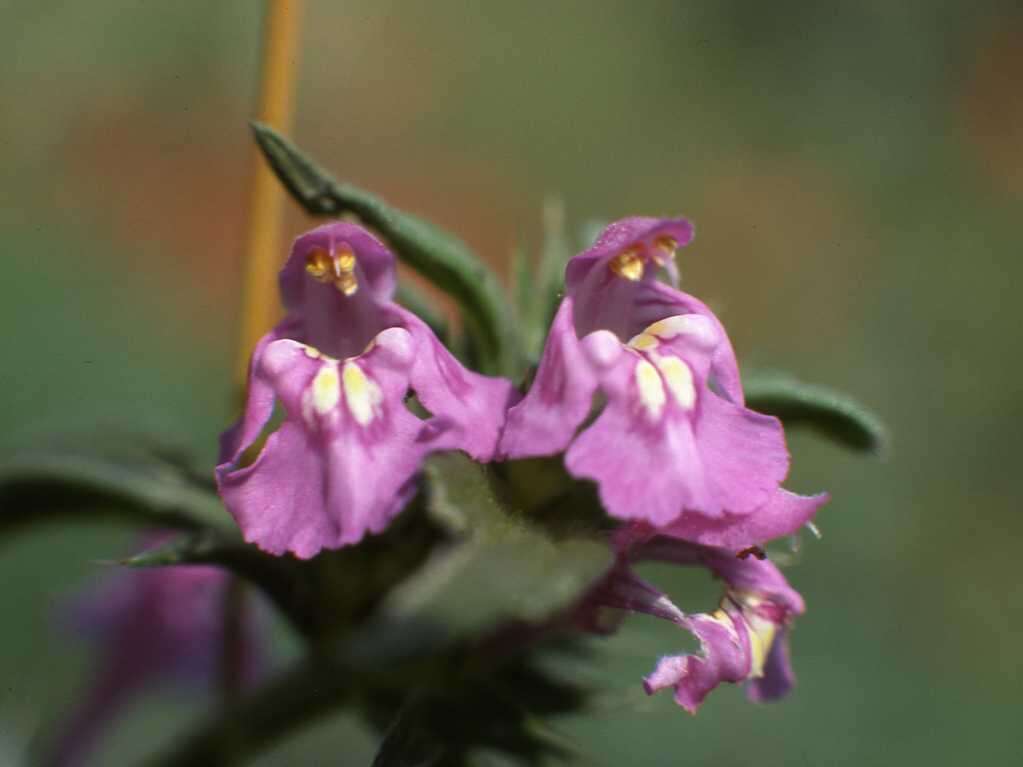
x: 149, y: 627
x: 725, y: 657
x: 655, y: 456
x: 468, y: 409
x: 778, y: 677
x: 784, y: 513
x: 341, y: 463
x: 544, y: 422
x: 336, y: 322
x: 259, y: 403
x: 743, y: 454
x: 747, y: 575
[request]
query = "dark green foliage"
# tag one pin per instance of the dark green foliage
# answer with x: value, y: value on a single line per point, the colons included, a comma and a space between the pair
x: 323, y: 597
x: 497, y: 566
x: 447, y: 602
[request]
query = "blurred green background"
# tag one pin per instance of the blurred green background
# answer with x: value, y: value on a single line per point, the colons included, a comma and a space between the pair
x: 855, y: 173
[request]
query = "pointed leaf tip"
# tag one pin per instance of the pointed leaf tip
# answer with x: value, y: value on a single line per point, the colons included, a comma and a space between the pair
x: 309, y: 184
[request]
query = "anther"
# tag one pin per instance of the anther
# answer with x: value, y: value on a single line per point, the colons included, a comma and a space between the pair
x: 347, y: 283
x: 346, y: 262
x: 628, y: 264
x: 338, y: 269
x: 319, y: 264
x: 664, y: 249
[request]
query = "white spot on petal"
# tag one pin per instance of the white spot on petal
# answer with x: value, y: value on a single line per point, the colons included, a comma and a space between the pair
x: 651, y: 390
x: 326, y: 389
x: 679, y: 379
x: 361, y: 393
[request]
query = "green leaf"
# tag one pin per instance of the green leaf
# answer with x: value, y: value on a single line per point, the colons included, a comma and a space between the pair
x: 832, y: 413
x: 546, y: 284
x: 127, y: 482
x: 439, y: 256
x: 276, y: 576
x: 322, y: 597
x: 413, y: 300
x: 502, y: 567
x: 522, y: 281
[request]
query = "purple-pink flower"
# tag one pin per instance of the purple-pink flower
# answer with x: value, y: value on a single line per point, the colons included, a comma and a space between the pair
x: 673, y: 449
x: 744, y: 641
x: 164, y: 625
x: 341, y: 364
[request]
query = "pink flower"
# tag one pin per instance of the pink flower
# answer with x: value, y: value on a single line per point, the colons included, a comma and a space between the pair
x: 342, y: 364
x: 673, y: 449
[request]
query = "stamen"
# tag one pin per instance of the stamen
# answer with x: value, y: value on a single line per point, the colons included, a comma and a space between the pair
x: 664, y: 249
x: 318, y: 264
x: 628, y: 264
x: 338, y: 269
x: 347, y: 283
x: 346, y: 261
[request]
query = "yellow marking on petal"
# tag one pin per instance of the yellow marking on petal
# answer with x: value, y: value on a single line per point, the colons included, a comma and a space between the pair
x: 643, y: 342
x: 628, y: 264
x: 671, y: 327
x: 679, y: 378
x: 720, y: 616
x: 326, y: 389
x: 319, y: 264
x: 651, y: 390
x: 361, y: 394
x: 761, y: 636
x: 311, y: 353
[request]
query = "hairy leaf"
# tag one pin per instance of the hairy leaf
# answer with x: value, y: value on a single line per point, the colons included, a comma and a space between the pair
x: 502, y: 566
x: 130, y: 483
x: 324, y: 596
x: 834, y: 414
